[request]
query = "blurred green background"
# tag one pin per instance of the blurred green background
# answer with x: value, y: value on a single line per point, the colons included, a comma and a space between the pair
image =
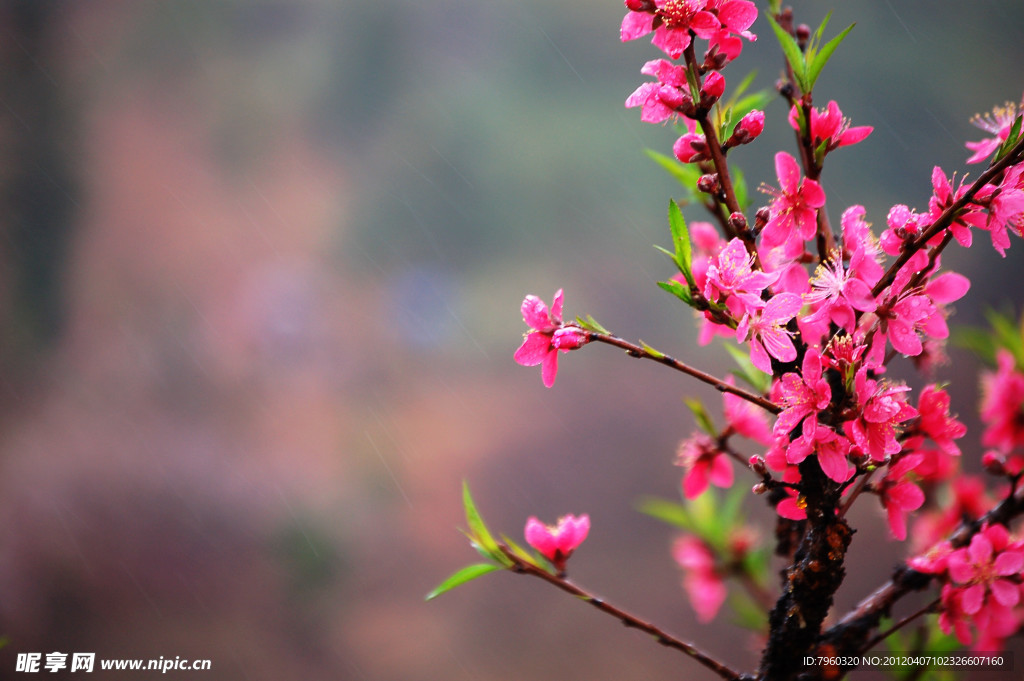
x: 260, y: 273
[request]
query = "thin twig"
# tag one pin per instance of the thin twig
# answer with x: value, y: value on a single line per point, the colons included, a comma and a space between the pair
x: 899, y: 625
x: 639, y: 351
x: 946, y: 218
x: 721, y: 166
x: 521, y: 566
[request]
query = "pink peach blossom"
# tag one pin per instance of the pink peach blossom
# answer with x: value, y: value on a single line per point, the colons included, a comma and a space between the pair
x: 794, y: 208
x: 557, y: 543
x: 549, y: 336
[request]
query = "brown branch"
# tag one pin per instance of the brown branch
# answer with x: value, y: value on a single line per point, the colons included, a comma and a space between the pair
x: 899, y: 625
x: 721, y: 165
x: 523, y: 567
x: 947, y: 216
x: 642, y: 352
x: 850, y: 633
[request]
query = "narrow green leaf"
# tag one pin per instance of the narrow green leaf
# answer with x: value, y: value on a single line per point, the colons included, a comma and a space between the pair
x: 746, y: 613
x: 687, y: 174
x: 978, y: 341
x: 1007, y: 334
x: 478, y: 531
x: 730, y: 513
x: 519, y: 551
x: 725, y: 118
x: 1011, y: 139
x: 815, y: 40
x: 666, y: 252
x: 704, y: 511
x: 591, y: 324
x: 822, y: 57
x: 801, y: 121
x: 758, y: 379
x: 678, y: 290
x: 792, y: 53
x: 819, y: 152
x: 755, y: 100
x: 653, y: 352
x: 744, y: 84
x: 466, y: 574
x: 666, y: 511
x: 701, y: 415
x: 739, y: 187
x: 681, y: 241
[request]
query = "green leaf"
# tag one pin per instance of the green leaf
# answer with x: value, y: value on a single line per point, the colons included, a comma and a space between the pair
x: 746, y: 613
x: 591, y: 324
x: 677, y: 289
x: 821, y: 58
x: 701, y: 414
x: 656, y: 354
x: 1011, y: 140
x: 725, y: 125
x: 681, y: 241
x: 815, y: 39
x: 730, y: 514
x: 978, y: 341
x: 1007, y: 334
x: 739, y: 187
x: 819, y: 152
x: 744, y: 84
x: 670, y: 512
x: 478, y: 532
x: 793, y: 55
x: 757, y: 379
x: 519, y: 551
x: 466, y: 574
x: 686, y: 173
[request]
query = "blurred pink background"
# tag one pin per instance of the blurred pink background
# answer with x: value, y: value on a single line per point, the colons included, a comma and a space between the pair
x: 260, y: 272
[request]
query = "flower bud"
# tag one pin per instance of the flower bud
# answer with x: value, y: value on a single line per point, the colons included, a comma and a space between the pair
x: 758, y: 465
x: 712, y: 89
x: 640, y: 5
x: 761, y: 218
x: 803, y: 34
x: 691, y: 148
x: 714, y: 59
x: 759, y: 488
x: 747, y: 130
x: 993, y: 463
x: 738, y: 221
x: 708, y: 183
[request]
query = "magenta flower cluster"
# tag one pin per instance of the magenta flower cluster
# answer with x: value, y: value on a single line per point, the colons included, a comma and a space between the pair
x: 822, y: 315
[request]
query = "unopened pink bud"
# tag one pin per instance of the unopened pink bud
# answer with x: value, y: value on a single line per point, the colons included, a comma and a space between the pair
x: 738, y: 221
x: 759, y: 488
x: 690, y: 148
x: 639, y: 5
x: 714, y: 86
x: 747, y: 130
x: 993, y: 463
x: 753, y: 122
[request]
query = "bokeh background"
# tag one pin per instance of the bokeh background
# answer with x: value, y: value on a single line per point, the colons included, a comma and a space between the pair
x: 260, y: 271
